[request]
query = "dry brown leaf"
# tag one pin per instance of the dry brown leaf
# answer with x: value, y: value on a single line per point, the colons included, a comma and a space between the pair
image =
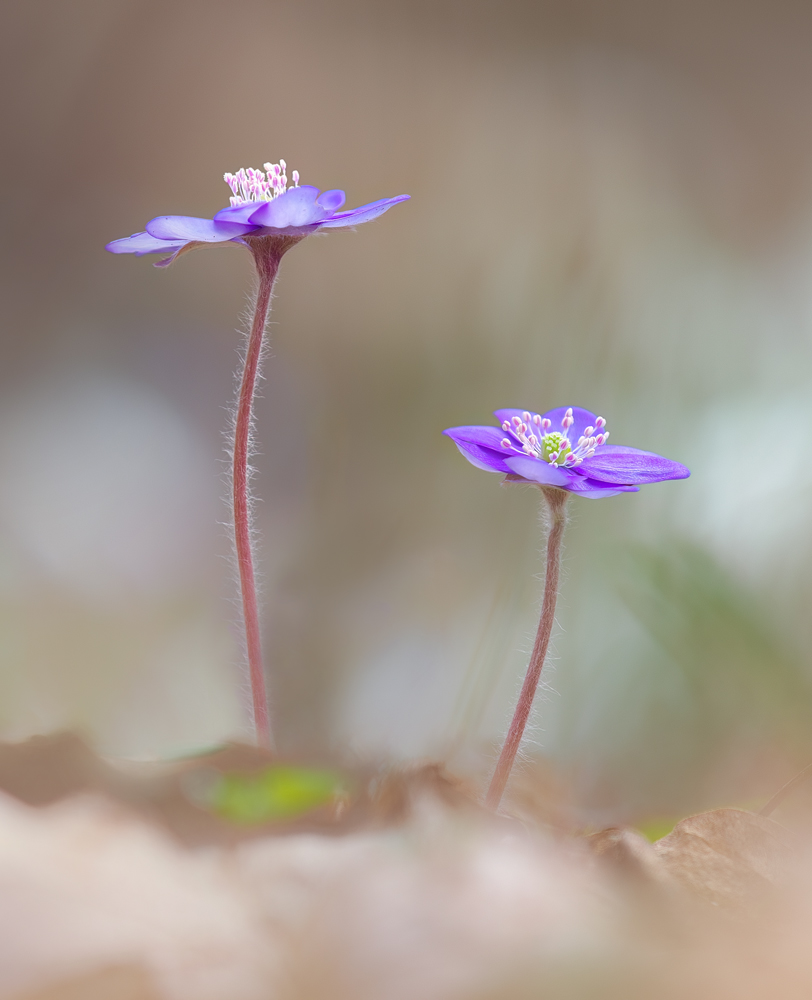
x: 86, y: 885
x: 120, y: 982
x: 537, y: 797
x: 46, y: 769
x: 630, y: 855
x: 396, y: 793
x: 728, y: 857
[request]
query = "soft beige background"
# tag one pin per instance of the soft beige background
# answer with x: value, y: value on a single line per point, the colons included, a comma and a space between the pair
x: 612, y: 206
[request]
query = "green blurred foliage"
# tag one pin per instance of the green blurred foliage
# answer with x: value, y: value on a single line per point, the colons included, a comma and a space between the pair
x: 722, y: 699
x: 275, y: 793
x: 736, y: 665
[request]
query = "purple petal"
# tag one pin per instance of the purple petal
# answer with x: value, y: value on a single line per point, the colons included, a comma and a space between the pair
x: 294, y: 209
x: 237, y: 213
x: 583, y: 419
x: 597, y: 494
x: 537, y: 471
x: 188, y: 228
x: 593, y: 490
x: 486, y: 437
x: 142, y: 243
x: 332, y: 200
x: 365, y: 213
x: 480, y: 447
x: 617, y: 464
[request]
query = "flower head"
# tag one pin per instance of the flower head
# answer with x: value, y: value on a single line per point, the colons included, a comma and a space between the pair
x: 566, y: 448
x: 262, y: 204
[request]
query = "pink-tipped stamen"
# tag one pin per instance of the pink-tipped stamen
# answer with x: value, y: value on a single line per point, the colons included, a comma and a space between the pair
x: 555, y: 448
x: 249, y: 184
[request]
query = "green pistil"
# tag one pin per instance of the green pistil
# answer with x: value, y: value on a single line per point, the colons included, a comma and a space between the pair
x: 550, y: 444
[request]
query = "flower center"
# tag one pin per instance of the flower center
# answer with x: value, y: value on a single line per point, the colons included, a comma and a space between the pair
x: 534, y: 435
x: 249, y: 185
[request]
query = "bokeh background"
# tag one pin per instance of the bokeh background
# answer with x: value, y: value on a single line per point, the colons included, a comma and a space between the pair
x: 611, y: 207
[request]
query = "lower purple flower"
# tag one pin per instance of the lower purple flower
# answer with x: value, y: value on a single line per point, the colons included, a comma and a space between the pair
x: 565, y: 448
x: 261, y: 205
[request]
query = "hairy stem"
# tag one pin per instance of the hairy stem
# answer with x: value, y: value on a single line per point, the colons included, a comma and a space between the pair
x: 267, y: 261
x: 556, y: 503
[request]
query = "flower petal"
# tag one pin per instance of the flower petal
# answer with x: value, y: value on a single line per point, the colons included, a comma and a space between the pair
x: 295, y: 208
x: 237, y: 213
x: 141, y: 243
x: 487, y: 437
x: 365, y: 213
x: 582, y: 419
x: 537, y: 471
x: 596, y: 494
x: 332, y: 200
x: 593, y: 490
x: 618, y: 464
x: 480, y: 446
x: 187, y: 228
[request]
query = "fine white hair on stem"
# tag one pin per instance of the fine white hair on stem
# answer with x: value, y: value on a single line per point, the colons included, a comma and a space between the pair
x: 267, y: 256
x: 229, y: 434
x: 555, y: 500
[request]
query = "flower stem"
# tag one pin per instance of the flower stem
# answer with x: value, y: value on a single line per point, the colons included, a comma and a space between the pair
x: 267, y: 262
x: 556, y: 503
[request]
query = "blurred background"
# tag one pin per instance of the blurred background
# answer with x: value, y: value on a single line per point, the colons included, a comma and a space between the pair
x: 611, y: 207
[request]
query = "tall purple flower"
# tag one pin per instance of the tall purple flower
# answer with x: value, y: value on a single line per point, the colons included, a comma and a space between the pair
x: 262, y: 206
x: 267, y: 218
x: 562, y: 451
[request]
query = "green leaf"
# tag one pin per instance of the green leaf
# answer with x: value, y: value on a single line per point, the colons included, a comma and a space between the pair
x: 275, y: 793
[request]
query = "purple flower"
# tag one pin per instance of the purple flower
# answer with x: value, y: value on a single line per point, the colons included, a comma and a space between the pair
x: 261, y: 205
x: 566, y: 448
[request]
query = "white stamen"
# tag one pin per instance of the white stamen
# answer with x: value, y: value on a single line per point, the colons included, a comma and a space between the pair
x: 249, y: 185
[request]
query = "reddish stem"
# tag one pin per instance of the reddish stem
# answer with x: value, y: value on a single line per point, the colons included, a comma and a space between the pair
x: 267, y: 257
x: 556, y: 503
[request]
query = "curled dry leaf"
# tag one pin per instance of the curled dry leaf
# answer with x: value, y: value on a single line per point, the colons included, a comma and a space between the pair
x: 729, y: 857
x: 397, y: 793
x: 630, y: 855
